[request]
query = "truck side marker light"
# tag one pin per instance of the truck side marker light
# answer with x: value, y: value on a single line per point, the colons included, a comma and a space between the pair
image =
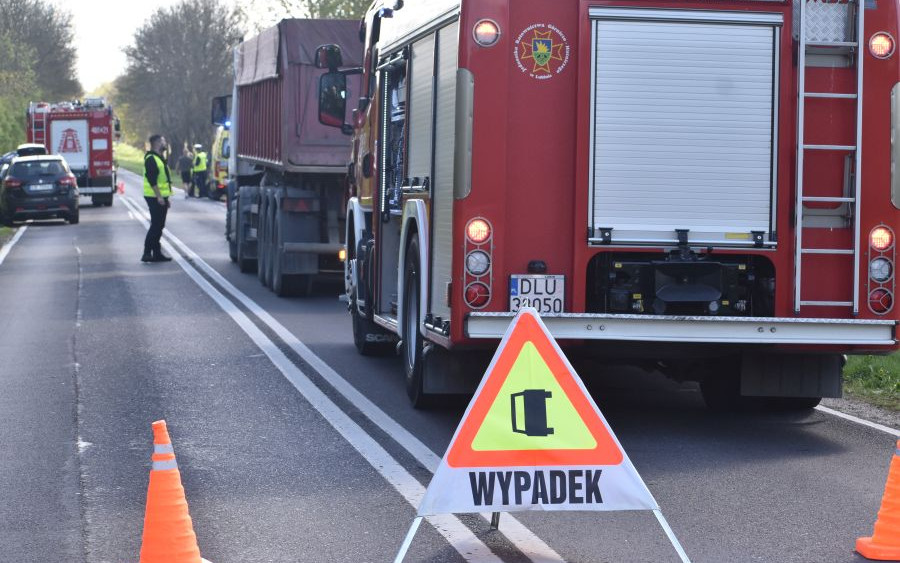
x: 881, y: 45
x: 486, y: 33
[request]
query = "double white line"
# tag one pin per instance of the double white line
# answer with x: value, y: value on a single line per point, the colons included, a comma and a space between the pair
x: 460, y: 537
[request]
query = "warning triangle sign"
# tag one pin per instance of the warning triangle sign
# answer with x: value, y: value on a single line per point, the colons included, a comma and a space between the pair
x: 532, y: 438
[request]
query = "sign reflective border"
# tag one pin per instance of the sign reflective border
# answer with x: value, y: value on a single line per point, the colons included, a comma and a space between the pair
x: 532, y: 438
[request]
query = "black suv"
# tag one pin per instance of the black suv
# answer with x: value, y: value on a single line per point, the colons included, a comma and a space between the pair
x: 39, y: 187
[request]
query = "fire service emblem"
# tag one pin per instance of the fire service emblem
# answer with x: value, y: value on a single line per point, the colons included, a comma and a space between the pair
x: 542, y: 51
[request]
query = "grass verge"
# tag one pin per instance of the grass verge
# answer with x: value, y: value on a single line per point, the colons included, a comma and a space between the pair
x: 874, y: 379
x: 130, y: 158
x: 6, y: 233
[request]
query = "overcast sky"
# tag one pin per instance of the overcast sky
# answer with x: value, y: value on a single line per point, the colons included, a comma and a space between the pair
x: 100, y: 39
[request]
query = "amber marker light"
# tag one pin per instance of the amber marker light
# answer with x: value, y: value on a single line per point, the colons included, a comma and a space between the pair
x: 881, y: 238
x: 486, y: 33
x: 478, y: 231
x: 342, y: 254
x: 881, y: 45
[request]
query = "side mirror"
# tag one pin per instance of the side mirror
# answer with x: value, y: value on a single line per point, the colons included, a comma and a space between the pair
x: 329, y: 56
x: 226, y: 151
x: 117, y: 128
x: 332, y: 99
x: 220, y: 112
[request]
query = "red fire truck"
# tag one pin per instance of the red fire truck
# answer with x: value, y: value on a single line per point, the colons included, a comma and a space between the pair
x: 82, y: 133
x: 706, y: 185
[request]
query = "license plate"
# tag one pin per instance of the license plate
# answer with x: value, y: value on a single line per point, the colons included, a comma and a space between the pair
x: 546, y: 293
x: 40, y: 187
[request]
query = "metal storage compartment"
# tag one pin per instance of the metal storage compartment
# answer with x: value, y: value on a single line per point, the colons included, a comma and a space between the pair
x: 684, y: 106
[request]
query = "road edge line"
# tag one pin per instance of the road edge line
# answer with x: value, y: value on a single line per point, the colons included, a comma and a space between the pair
x: 857, y: 420
x: 4, y: 252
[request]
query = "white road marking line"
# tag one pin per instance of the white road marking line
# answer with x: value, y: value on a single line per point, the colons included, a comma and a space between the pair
x: 524, y: 539
x: 454, y: 531
x: 864, y: 422
x: 4, y: 252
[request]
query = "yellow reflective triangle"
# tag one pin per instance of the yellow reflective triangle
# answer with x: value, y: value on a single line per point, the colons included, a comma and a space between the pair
x: 530, y: 375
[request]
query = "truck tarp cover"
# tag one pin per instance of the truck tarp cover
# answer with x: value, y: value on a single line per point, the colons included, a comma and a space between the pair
x: 258, y: 58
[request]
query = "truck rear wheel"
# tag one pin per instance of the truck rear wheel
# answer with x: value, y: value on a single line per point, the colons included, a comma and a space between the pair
x: 262, y: 241
x: 412, y: 348
x: 229, y: 232
x: 284, y: 285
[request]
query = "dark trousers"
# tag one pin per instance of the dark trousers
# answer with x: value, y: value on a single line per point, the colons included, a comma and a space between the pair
x: 200, y: 180
x: 157, y: 224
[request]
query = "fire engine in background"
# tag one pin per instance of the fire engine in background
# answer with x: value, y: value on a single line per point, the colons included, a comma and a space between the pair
x: 707, y: 185
x: 286, y: 199
x: 82, y: 133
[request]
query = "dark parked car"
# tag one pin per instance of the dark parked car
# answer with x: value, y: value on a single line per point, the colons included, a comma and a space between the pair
x: 39, y: 187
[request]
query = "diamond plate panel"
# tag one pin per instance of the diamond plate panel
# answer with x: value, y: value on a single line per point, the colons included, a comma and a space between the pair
x: 826, y: 20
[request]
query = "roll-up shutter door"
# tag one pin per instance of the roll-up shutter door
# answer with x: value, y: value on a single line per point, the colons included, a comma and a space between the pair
x: 683, y: 131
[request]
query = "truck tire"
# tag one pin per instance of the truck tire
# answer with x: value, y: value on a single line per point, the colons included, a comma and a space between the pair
x: 412, y: 347
x: 262, y: 240
x: 245, y: 265
x: 229, y: 235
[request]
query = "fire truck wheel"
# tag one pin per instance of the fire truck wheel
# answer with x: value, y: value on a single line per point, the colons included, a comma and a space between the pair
x: 412, y: 347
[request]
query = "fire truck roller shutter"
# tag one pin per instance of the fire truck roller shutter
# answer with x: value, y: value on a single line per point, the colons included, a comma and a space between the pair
x: 684, y: 109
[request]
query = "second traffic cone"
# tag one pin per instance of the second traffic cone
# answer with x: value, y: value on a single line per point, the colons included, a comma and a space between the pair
x: 120, y: 187
x: 168, y: 531
x: 884, y: 544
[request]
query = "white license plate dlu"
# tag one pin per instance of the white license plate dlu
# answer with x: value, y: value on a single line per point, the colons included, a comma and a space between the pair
x: 546, y: 293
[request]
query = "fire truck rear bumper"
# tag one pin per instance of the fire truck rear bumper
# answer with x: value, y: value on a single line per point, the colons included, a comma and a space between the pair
x: 727, y: 330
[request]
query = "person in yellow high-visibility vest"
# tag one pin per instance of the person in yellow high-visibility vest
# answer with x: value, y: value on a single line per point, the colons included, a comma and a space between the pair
x: 157, y: 193
x: 200, y: 178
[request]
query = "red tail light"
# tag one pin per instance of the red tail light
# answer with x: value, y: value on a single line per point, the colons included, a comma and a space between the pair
x: 477, y: 295
x: 12, y: 183
x: 880, y: 301
x: 69, y: 181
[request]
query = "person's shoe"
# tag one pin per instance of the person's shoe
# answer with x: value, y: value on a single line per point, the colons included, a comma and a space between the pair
x: 147, y: 257
x: 160, y: 257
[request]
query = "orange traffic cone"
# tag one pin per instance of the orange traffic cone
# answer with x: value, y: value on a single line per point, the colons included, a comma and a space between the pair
x: 168, y: 532
x: 884, y: 545
x: 120, y: 187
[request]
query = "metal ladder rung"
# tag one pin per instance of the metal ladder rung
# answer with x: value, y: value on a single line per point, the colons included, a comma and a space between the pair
x: 815, y: 199
x: 830, y: 147
x: 833, y: 95
x: 826, y: 303
x: 826, y: 251
x: 832, y: 44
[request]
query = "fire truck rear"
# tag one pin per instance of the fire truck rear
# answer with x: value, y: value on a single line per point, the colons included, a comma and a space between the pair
x: 83, y: 134
x: 708, y: 186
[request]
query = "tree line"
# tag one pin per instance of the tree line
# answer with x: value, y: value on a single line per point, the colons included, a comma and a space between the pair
x: 37, y: 62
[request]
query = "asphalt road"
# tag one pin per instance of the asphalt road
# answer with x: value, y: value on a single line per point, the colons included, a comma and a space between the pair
x: 294, y: 448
